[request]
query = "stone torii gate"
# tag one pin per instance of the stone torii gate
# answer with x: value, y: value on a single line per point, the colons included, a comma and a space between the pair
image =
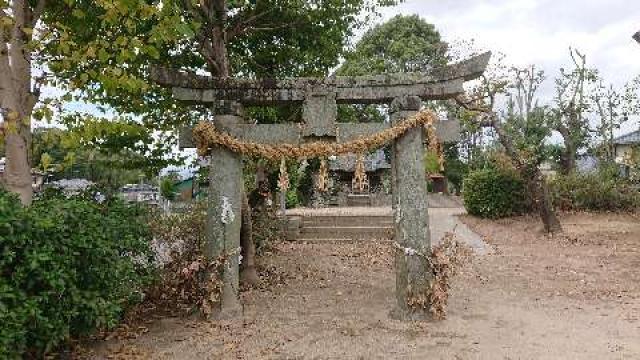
x: 319, y: 98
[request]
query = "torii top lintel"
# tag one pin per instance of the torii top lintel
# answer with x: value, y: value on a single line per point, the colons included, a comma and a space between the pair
x: 440, y: 83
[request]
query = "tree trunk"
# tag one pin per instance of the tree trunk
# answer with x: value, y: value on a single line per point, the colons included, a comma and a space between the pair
x: 568, y: 154
x: 18, y: 100
x: 542, y: 202
x: 535, y: 182
x: 17, y: 175
x: 248, y: 273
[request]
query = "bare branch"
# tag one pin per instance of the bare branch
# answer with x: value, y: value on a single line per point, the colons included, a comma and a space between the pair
x: 471, y: 104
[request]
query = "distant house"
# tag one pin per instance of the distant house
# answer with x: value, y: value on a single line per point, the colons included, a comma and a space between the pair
x: 625, y: 144
x: 547, y: 169
x: 143, y: 193
x: 3, y: 161
x: 71, y: 186
x: 587, y: 163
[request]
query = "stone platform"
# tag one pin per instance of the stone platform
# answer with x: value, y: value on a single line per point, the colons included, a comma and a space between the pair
x: 350, y: 224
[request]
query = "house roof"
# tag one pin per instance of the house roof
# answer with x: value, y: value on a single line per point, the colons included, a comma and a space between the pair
x: 372, y: 162
x: 628, y: 139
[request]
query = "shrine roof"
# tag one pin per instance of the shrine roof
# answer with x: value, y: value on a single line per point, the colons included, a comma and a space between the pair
x: 374, y: 161
x: 628, y: 139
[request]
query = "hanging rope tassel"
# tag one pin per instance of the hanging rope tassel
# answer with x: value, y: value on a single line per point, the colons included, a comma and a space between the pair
x: 323, y: 176
x: 283, y: 179
x: 360, y: 181
x: 434, y: 145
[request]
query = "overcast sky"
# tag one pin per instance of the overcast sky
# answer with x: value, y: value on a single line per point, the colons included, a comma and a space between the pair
x: 541, y: 31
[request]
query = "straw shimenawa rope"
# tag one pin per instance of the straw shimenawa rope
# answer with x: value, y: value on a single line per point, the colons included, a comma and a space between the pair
x: 206, y: 135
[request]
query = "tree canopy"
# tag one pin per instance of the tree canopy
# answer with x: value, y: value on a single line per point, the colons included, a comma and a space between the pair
x: 402, y: 44
x: 100, y: 51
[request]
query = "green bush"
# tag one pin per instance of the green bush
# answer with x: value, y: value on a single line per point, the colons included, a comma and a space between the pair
x: 292, y: 200
x: 494, y: 193
x: 598, y: 191
x: 69, y: 266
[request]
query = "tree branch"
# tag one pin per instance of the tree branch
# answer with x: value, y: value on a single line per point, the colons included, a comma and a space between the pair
x: 37, y: 12
x: 193, y: 11
x: 241, y: 27
x: 471, y: 104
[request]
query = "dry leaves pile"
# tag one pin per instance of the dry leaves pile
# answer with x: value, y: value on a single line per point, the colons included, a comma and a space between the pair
x: 187, y: 280
x: 446, y: 261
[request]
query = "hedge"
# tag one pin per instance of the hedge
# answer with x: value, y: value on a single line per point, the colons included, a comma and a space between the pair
x: 69, y: 266
x: 494, y: 193
x: 598, y: 191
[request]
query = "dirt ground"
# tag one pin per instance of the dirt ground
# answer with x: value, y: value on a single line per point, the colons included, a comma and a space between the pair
x: 529, y: 297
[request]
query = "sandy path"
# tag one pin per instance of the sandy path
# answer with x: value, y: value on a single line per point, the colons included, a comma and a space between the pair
x: 529, y: 298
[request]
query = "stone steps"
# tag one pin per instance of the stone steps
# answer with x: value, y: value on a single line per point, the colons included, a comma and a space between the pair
x: 358, y: 200
x: 343, y: 228
x: 338, y: 241
x: 345, y: 232
x: 347, y: 220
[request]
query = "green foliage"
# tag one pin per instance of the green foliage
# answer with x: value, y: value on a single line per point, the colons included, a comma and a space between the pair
x: 494, y: 193
x: 292, y: 199
x: 454, y: 169
x: 402, y: 44
x: 108, y: 152
x: 305, y: 183
x: 603, y: 190
x: 528, y: 131
x: 633, y: 164
x: 110, y: 59
x: 69, y: 266
x: 431, y: 163
x: 266, y: 230
x: 168, y: 188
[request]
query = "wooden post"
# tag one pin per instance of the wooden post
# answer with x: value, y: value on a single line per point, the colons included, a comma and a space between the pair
x: 224, y: 217
x: 413, y: 273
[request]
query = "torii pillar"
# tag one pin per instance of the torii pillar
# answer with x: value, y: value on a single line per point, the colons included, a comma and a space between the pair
x: 413, y: 271
x: 224, y: 214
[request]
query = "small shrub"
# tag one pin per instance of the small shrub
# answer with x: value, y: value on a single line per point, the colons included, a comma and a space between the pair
x: 494, y: 193
x: 598, y: 191
x: 183, y: 283
x: 266, y: 230
x: 292, y: 200
x: 432, y: 163
x: 186, y: 282
x: 69, y: 266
